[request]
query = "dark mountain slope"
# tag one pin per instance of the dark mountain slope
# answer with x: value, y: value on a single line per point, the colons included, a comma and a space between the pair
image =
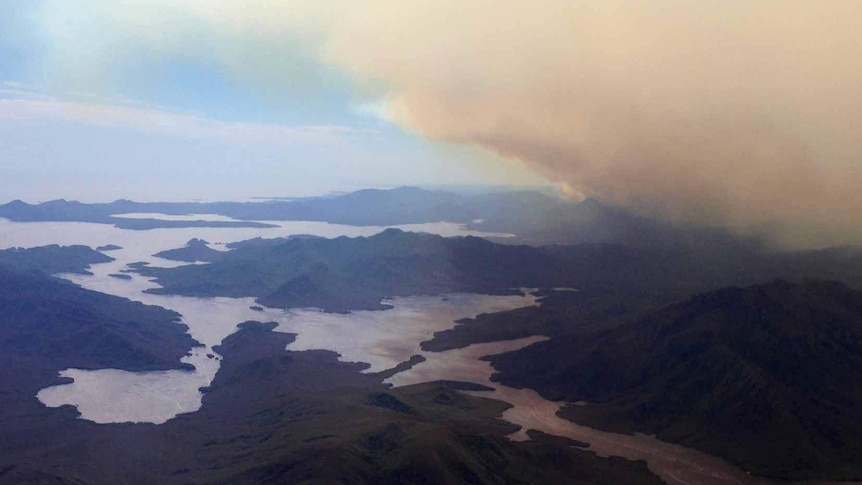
x: 325, y: 422
x: 766, y: 376
x: 48, y: 324
x: 278, y: 417
x: 356, y: 273
x: 194, y: 250
x: 403, y: 205
x: 534, y: 217
x: 53, y: 259
x: 61, y: 210
x: 369, y: 207
x: 560, y: 313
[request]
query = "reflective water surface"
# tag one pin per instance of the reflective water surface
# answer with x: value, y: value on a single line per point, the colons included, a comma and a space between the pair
x: 380, y: 338
x: 673, y: 463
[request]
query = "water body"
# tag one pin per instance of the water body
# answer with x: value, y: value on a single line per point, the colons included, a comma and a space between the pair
x: 113, y: 395
x: 174, y: 217
x: 383, y: 339
x: 675, y: 464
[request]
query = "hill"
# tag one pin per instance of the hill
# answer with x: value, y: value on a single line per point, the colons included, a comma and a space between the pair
x: 764, y: 376
x: 273, y: 416
x: 532, y: 216
x: 53, y: 259
x: 194, y: 250
x: 357, y: 273
x: 48, y: 325
x: 345, y: 274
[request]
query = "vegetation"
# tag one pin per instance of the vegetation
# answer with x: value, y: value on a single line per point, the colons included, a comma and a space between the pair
x: 273, y: 416
x: 53, y: 259
x: 764, y: 376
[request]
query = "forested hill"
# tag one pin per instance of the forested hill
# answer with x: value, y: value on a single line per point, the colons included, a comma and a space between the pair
x: 765, y: 376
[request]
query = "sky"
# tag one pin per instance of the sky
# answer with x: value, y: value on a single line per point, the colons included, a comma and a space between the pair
x: 736, y: 113
x: 89, y: 113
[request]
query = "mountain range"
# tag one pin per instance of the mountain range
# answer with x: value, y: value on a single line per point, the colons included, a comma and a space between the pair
x: 706, y: 339
x: 533, y: 217
x: 345, y: 274
x: 765, y: 376
x: 270, y: 416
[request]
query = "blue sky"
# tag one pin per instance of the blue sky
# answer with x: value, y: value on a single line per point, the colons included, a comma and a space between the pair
x: 740, y: 113
x: 87, y: 114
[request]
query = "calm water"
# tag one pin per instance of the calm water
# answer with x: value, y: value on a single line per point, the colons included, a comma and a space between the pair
x: 673, y: 463
x: 380, y: 338
x: 169, y: 217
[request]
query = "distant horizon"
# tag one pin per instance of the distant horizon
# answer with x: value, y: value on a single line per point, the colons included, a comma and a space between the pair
x: 463, y: 189
x: 380, y: 242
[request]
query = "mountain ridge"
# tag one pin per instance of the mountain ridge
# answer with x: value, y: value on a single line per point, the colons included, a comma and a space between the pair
x: 763, y: 376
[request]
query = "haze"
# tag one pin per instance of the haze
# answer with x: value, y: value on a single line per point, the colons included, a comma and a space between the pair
x: 734, y: 113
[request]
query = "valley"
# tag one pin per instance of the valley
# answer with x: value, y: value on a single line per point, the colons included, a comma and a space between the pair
x: 412, y: 310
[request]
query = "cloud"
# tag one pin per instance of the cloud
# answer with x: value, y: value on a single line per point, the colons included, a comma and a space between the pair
x: 735, y: 112
x: 19, y: 104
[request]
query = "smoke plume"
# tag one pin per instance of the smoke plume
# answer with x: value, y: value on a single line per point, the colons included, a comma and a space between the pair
x: 742, y: 113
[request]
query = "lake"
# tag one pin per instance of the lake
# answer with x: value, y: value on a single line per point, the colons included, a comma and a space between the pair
x: 380, y: 338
